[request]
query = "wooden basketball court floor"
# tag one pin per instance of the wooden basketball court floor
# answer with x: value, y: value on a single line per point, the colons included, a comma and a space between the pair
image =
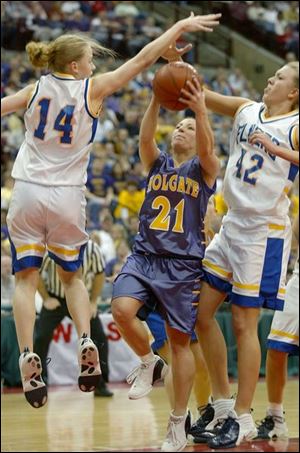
x: 77, y: 422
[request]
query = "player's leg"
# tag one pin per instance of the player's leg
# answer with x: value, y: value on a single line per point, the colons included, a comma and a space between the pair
x: 77, y: 299
x: 100, y: 340
x: 24, y: 306
x: 47, y: 321
x: 245, y: 322
x: 212, y: 340
x: 160, y: 345
x: 202, y: 392
x: 132, y: 329
x: 273, y: 426
x: 24, y: 314
x: 134, y: 332
x: 183, y: 371
x: 283, y: 340
x: 79, y: 308
x: 201, y: 386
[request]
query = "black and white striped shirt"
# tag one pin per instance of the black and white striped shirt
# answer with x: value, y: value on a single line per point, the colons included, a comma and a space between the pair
x: 93, y: 264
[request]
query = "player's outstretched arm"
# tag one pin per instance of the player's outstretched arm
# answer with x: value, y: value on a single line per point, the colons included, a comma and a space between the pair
x: 17, y: 101
x: 194, y: 98
x: 147, y: 146
x: 105, y: 84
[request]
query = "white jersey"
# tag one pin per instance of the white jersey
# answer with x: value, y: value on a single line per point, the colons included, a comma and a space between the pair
x: 60, y: 129
x: 257, y: 182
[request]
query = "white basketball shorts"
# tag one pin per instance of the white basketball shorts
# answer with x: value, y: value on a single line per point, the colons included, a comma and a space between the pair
x: 248, y: 260
x: 51, y: 217
x: 284, y: 334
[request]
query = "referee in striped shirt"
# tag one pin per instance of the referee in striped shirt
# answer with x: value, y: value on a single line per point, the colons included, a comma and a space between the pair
x: 55, y: 308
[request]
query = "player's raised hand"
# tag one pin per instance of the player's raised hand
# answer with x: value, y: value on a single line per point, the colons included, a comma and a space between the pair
x: 194, y: 96
x: 200, y: 23
x: 174, y: 53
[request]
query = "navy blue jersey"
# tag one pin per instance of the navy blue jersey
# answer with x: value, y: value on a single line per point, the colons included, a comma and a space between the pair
x: 172, y: 215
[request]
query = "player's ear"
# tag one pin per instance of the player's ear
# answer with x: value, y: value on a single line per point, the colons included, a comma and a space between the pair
x: 74, y: 66
x: 294, y: 93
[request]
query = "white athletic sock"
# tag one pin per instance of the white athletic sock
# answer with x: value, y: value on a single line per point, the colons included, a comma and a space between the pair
x: 148, y: 358
x: 275, y: 409
x: 223, y: 406
x: 246, y: 421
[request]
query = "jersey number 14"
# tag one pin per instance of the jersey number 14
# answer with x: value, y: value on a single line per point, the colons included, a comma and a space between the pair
x: 62, y: 122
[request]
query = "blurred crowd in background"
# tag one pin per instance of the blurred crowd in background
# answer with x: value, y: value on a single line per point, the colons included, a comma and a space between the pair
x: 116, y: 180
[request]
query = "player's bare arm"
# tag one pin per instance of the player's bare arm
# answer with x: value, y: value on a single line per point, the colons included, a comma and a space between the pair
x: 285, y: 153
x: 147, y: 146
x: 17, y: 101
x: 194, y: 98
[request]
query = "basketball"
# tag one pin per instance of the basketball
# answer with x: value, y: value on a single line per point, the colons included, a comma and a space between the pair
x: 168, y: 82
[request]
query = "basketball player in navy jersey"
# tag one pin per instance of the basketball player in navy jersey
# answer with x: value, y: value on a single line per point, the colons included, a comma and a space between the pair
x: 165, y: 269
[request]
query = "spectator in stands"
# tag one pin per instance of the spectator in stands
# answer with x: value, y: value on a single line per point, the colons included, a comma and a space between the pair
x: 103, y: 237
x: 236, y: 82
x: 122, y: 252
x: 119, y: 234
x: 126, y: 8
x: 132, y: 226
x: 129, y: 200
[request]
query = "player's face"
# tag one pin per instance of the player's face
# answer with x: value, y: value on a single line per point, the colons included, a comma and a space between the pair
x: 184, y: 136
x: 280, y: 86
x: 85, y: 65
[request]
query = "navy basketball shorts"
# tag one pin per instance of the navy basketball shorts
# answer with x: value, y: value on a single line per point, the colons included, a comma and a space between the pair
x: 171, y: 285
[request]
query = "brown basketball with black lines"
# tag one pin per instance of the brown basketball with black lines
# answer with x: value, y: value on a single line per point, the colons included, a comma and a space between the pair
x: 168, y: 82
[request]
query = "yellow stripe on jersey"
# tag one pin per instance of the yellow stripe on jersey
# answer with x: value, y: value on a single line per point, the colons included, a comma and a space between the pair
x: 88, y: 101
x: 217, y: 268
x: 281, y: 291
x: 274, y: 226
x: 62, y: 251
x: 37, y: 247
x: 295, y: 140
x: 281, y: 333
x: 65, y: 76
x: 241, y: 107
x: 276, y: 117
x: 246, y: 286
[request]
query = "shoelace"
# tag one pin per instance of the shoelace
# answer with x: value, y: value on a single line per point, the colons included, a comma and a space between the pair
x: 269, y: 421
x: 221, y: 422
x: 172, y: 434
x: 205, y: 412
x: 135, y: 372
x: 202, y: 409
x: 48, y: 360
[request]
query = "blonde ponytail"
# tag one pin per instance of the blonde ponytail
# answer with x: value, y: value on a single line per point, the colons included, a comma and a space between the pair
x: 38, y: 53
x: 65, y: 49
